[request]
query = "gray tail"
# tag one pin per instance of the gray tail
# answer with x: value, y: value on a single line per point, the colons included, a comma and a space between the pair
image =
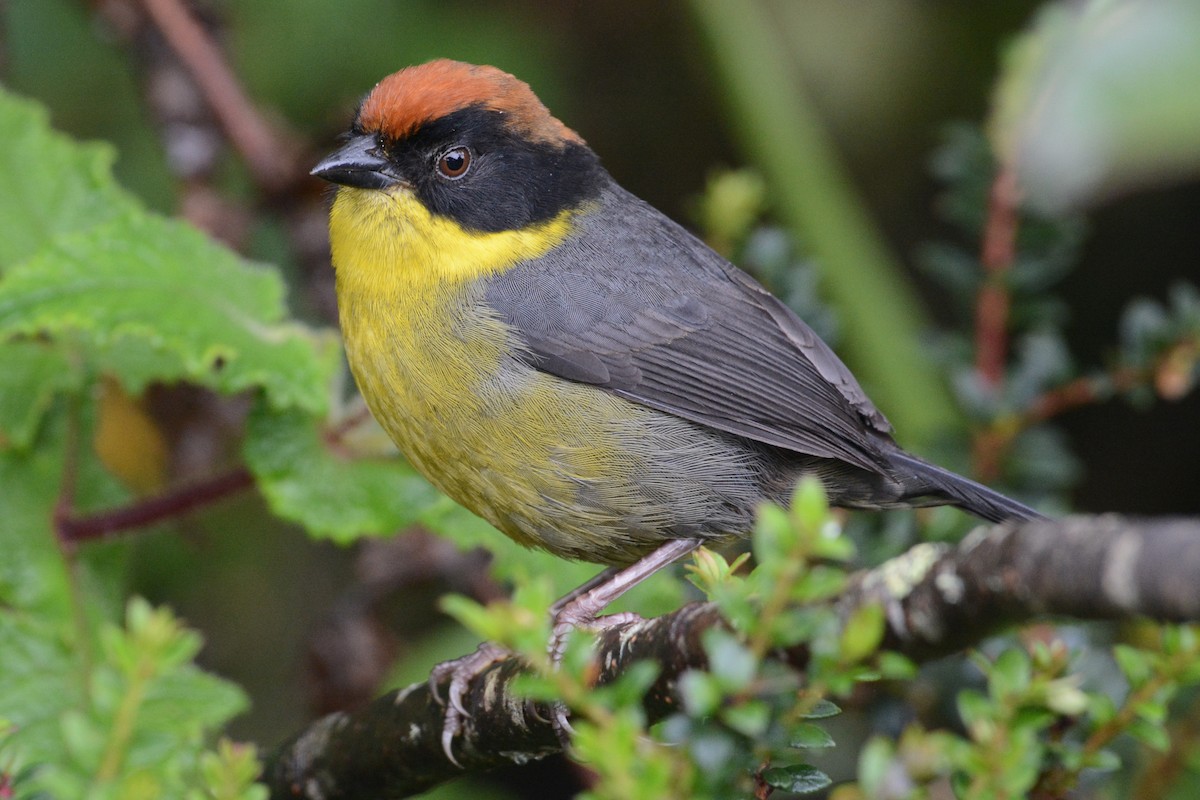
x: 972, y: 497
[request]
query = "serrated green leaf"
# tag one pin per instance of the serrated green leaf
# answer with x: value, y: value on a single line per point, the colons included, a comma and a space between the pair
x: 59, y: 692
x: 64, y: 186
x: 798, y: 778
x: 187, y: 699
x: 218, y: 318
x: 329, y: 495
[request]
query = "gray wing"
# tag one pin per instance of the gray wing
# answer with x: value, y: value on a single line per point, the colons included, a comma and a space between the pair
x: 643, y: 309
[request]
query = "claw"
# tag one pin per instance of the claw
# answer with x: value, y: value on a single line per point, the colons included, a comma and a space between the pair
x: 566, y: 621
x: 450, y: 729
x: 461, y: 672
x: 531, y: 708
x: 456, y: 693
x: 562, y: 725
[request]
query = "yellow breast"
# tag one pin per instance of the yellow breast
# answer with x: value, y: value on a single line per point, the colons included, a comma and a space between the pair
x: 437, y: 369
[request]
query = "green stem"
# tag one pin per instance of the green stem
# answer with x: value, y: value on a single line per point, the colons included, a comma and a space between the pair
x: 779, y: 130
x: 123, y: 723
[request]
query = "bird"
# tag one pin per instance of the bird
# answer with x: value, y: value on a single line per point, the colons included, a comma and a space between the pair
x: 570, y: 364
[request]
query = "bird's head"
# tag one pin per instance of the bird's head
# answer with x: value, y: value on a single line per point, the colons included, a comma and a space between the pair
x: 471, y: 143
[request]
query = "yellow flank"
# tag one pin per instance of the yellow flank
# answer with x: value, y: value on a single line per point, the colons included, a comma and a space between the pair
x: 517, y: 446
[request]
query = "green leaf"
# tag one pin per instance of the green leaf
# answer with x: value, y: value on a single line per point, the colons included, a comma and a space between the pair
x: 798, y: 778
x: 204, y: 313
x: 1134, y: 663
x: 63, y: 186
x: 810, y: 508
x: 874, y: 763
x: 774, y: 536
x: 1151, y: 734
x: 34, y: 372
x: 975, y: 709
x: 862, y: 633
x: 894, y: 666
x: 809, y: 736
x: 482, y: 620
x: 819, y: 583
x: 729, y: 660
x: 33, y: 575
x: 1010, y: 675
x: 1064, y: 697
x: 701, y: 693
x: 329, y: 495
x: 823, y: 709
x: 230, y: 771
x: 1104, y: 760
x: 749, y: 718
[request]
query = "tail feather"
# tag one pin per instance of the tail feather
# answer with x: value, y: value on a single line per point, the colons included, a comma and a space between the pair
x: 965, y: 493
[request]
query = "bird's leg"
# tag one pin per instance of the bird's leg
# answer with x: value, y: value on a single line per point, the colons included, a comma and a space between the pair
x: 581, y: 608
x: 462, y: 671
x: 578, y: 608
x: 599, y: 578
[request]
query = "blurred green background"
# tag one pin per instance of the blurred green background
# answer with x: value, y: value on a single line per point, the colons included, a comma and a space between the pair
x: 649, y: 86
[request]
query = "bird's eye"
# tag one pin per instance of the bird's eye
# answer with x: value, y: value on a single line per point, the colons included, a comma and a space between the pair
x: 454, y: 163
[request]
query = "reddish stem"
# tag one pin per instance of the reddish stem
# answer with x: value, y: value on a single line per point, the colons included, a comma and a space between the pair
x: 260, y: 145
x: 997, y: 256
x: 998, y: 251
x: 1081, y: 392
x: 172, y: 504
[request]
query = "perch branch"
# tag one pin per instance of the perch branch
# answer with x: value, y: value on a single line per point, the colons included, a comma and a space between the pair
x: 937, y: 599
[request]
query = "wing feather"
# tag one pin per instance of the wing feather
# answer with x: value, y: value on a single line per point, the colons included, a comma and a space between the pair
x: 636, y: 305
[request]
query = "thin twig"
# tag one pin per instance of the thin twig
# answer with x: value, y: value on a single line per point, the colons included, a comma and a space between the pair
x: 264, y: 148
x: 156, y: 509
x: 998, y: 251
x: 63, y: 508
x: 1082, y: 391
x: 997, y: 255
